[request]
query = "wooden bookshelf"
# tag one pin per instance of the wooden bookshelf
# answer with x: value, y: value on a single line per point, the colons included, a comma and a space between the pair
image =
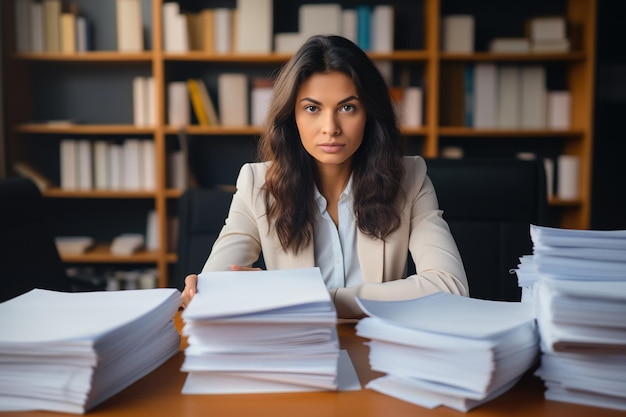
x: 27, y: 140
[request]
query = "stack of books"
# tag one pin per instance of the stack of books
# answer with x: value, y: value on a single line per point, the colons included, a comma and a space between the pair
x: 577, y: 280
x: 445, y: 349
x: 68, y: 352
x: 263, y: 331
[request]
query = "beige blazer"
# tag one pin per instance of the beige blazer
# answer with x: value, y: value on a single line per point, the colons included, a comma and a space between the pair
x: 423, y: 232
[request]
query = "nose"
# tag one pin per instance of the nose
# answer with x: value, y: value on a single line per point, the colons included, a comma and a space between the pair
x: 330, y: 124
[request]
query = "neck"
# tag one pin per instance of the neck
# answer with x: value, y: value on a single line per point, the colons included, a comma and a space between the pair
x: 331, y: 181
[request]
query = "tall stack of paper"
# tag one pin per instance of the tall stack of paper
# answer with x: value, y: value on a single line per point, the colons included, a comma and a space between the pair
x: 261, y: 331
x: 579, y: 282
x: 68, y: 352
x: 444, y: 349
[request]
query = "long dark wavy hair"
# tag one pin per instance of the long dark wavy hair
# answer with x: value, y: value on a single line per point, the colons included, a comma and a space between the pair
x: 377, y: 168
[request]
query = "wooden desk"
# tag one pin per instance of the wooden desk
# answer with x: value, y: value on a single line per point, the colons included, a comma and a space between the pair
x: 159, y: 394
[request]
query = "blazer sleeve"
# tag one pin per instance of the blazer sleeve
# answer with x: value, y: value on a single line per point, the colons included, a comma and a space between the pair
x: 438, y: 263
x: 239, y: 242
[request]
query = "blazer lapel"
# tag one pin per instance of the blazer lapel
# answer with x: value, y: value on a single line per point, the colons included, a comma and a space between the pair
x: 304, y: 259
x: 371, y: 257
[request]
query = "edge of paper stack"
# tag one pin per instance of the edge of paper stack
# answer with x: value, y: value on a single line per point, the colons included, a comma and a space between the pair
x: 577, y: 281
x: 448, y: 350
x: 68, y: 352
x: 263, y: 331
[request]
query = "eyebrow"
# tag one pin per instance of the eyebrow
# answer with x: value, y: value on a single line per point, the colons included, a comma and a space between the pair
x: 345, y: 100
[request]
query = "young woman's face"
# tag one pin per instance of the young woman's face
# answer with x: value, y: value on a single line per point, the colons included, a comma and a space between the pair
x: 330, y: 117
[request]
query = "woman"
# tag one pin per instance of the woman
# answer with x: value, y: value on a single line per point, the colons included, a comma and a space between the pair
x: 335, y: 191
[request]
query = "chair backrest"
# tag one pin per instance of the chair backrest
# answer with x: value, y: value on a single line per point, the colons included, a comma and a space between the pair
x: 201, y: 214
x: 489, y: 205
x: 28, y: 255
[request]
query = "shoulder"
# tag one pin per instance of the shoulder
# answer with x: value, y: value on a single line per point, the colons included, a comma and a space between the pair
x: 252, y: 175
x: 414, y: 168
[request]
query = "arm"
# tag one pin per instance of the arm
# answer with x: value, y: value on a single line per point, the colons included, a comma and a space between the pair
x: 426, y: 234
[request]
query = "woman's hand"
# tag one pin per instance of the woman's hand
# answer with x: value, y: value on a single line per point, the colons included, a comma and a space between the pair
x: 191, y: 284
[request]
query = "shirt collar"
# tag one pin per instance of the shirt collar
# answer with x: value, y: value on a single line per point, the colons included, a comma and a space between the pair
x: 321, y: 201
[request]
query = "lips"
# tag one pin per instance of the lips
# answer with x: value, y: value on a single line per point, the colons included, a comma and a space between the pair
x: 331, y: 147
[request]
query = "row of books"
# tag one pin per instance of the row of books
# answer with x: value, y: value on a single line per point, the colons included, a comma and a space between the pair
x: 240, y: 102
x: 577, y: 281
x: 88, y: 278
x: 248, y: 28
x: 488, y: 95
x: 543, y: 34
x: 107, y: 165
x: 50, y: 26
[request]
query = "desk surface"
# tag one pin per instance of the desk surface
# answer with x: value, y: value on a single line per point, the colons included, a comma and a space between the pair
x: 159, y: 394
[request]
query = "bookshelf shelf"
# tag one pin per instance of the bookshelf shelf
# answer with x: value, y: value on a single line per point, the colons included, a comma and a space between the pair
x: 86, y: 129
x: 101, y: 253
x: 59, y: 193
x: 90, y: 56
x: 100, y: 81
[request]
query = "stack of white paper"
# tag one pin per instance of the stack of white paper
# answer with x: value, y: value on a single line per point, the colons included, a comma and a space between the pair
x: 262, y: 331
x: 578, y: 281
x: 449, y: 350
x: 68, y: 352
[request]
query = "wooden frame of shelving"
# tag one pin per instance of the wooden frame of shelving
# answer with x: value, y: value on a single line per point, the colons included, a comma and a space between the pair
x: 577, y: 141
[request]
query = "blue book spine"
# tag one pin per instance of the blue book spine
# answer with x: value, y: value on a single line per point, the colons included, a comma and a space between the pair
x: 364, y: 16
x: 469, y: 95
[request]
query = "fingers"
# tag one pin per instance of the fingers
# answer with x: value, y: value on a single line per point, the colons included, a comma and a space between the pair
x: 191, y: 283
x: 243, y: 268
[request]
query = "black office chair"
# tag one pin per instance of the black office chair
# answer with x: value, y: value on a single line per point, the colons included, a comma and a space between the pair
x: 489, y: 205
x: 28, y: 255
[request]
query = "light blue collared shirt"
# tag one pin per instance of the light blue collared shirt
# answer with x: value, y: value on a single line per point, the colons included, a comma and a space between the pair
x: 336, y: 247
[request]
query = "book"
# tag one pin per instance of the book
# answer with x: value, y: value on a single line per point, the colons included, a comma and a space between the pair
x: 129, y: 26
x: 208, y: 30
x: 85, y: 164
x: 363, y: 26
x: 22, y: 25
x: 223, y: 30
x: 559, y: 104
x: 68, y: 33
x: 52, y: 18
x: 207, y: 103
x: 320, y: 19
x: 567, y: 177
x: 509, y: 45
x: 469, y: 99
x: 116, y: 165
x: 149, y: 171
x: 543, y: 28
x: 74, y: 351
x: 175, y: 31
x: 288, y: 42
x: 533, y: 103
x: 254, y: 28
x: 178, y: 106
x: 383, y: 27
x: 133, y: 164
x: 36, y: 25
x: 197, y: 102
x: 232, y: 99
x: 412, y: 107
x: 509, y: 97
x: 83, y: 34
x: 68, y: 162
x: 458, y: 33
x: 101, y: 164
x: 260, y: 98
x: 485, y: 95
x: 349, y: 24
x: 195, y: 32
x: 139, y: 101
